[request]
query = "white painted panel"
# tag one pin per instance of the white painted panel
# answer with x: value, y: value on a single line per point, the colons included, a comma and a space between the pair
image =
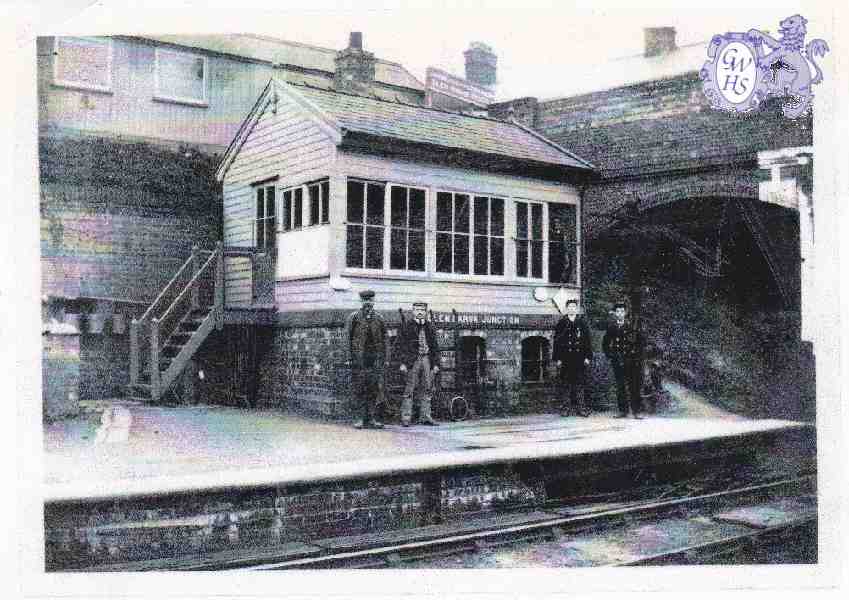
x: 303, y: 252
x: 441, y: 177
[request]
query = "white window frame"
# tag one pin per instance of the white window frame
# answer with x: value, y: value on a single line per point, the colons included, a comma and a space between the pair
x: 79, y: 85
x: 323, y: 186
x: 544, y: 239
x: 489, y: 237
x: 471, y: 276
x: 384, y: 268
x: 261, y: 221
x: 164, y: 97
x: 387, y: 219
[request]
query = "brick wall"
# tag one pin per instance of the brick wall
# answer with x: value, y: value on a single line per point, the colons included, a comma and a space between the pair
x: 306, y: 371
x: 115, y: 214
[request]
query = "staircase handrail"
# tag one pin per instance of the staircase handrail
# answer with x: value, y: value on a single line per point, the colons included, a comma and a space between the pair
x: 167, y: 287
x: 189, y: 285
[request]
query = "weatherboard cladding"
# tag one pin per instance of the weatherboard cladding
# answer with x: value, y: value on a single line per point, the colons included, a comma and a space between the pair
x: 435, y: 127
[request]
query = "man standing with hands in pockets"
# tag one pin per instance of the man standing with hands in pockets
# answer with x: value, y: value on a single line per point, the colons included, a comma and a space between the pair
x: 419, y: 355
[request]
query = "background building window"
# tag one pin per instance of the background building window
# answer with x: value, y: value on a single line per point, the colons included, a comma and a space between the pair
x: 529, y: 240
x: 365, y: 224
x: 535, y: 355
x: 266, y: 221
x: 180, y: 76
x: 452, y: 232
x: 407, y: 235
x: 83, y: 63
x: 488, y: 239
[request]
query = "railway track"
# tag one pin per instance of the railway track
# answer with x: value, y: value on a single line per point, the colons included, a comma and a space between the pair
x: 560, y: 523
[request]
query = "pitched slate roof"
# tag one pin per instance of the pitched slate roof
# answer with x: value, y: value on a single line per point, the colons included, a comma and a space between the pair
x: 437, y: 127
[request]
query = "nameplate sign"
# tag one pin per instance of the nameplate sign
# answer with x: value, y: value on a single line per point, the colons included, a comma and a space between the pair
x: 489, y: 320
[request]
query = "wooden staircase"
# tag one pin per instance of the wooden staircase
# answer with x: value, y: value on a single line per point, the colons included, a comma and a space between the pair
x: 175, y: 325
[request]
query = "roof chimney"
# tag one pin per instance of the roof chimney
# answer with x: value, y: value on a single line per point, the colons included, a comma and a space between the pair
x: 481, y: 64
x: 354, y: 67
x: 659, y: 40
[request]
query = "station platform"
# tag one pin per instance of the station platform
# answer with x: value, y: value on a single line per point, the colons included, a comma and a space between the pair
x: 127, y: 483
x: 121, y: 449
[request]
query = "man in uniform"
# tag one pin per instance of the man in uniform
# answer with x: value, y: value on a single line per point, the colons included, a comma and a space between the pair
x: 573, y: 354
x: 367, y: 334
x: 419, y: 355
x: 623, y: 345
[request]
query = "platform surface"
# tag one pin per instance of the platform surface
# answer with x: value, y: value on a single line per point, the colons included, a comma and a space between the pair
x: 121, y: 449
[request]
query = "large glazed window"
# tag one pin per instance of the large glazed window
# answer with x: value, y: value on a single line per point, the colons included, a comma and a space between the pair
x: 407, y: 235
x: 265, y: 225
x: 84, y: 63
x: 563, y: 244
x: 488, y: 241
x: 453, y: 232
x: 529, y: 240
x: 365, y: 224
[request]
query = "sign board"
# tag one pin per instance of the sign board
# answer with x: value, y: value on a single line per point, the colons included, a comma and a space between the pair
x: 490, y: 321
x: 442, y: 82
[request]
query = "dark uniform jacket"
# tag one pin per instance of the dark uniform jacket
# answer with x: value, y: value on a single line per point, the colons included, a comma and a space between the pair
x: 367, y: 341
x: 408, y: 343
x: 572, y: 341
x: 623, y: 343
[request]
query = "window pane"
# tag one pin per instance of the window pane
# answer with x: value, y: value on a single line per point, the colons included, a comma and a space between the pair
x: 416, y: 251
x: 374, y: 247
x: 481, y: 255
x: 298, y: 214
x: 287, y: 210
x: 180, y: 75
x: 260, y: 235
x: 556, y: 262
x: 398, y: 205
x: 354, y: 250
x: 521, y: 258
x: 355, y: 201
x: 269, y: 202
x: 443, y: 211
x: 481, y: 215
x: 84, y: 62
x: 536, y: 221
x: 461, y: 213
x: 521, y: 220
x: 536, y: 259
x: 443, y: 252
x: 461, y: 254
x: 374, y: 204
x: 260, y: 203
x: 325, y: 202
x: 398, y: 249
x: 417, y: 209
x: 314, y: 204
x: 496, y: 226
x: 496, y: 257
x: 270, y: 233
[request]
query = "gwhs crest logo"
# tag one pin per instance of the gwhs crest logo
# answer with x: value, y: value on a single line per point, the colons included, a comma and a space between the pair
x: 741, y: 73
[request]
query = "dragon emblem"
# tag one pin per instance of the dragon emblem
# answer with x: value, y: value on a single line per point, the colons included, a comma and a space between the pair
x: 785, y: 70
x: 746, y: 68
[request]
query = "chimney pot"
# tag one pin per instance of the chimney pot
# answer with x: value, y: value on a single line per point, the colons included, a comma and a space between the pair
x: 356, y: 40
